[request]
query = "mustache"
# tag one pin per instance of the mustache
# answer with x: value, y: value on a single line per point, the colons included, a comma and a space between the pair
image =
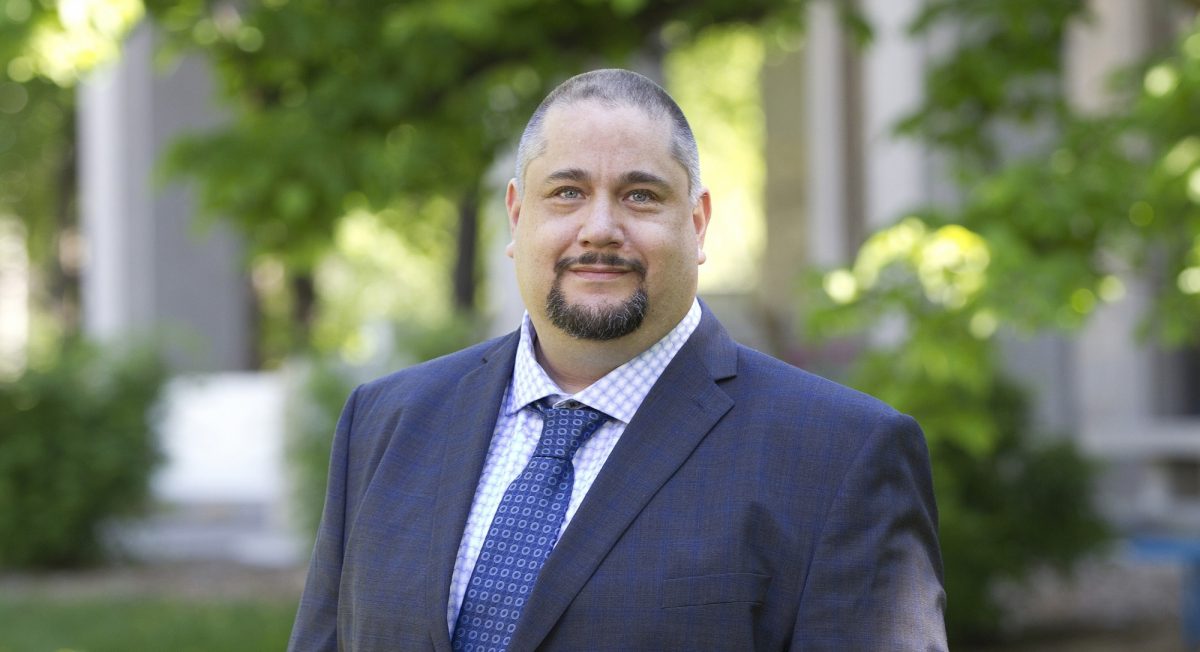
x: 594, y: 258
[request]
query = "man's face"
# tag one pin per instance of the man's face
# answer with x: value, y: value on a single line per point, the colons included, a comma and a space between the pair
x: 605, y: 238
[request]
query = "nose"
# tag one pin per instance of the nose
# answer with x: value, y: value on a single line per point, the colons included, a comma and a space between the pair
x: 601, y: 227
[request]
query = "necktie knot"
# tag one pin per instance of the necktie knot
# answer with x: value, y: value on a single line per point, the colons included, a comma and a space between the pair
x: 565, y: 429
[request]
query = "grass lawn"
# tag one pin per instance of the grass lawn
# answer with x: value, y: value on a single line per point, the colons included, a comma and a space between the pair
x: 121, y: 625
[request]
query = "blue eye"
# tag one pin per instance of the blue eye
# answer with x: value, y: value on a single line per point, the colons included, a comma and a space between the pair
x: 569, y: 193
x: 641, y: 196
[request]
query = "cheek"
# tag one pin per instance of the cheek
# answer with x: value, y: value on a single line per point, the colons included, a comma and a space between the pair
x: 534, y: 262
x: 672, y: 261
x: 542, y: 240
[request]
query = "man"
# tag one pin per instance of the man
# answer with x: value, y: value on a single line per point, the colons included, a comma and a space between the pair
x: 619, y: 474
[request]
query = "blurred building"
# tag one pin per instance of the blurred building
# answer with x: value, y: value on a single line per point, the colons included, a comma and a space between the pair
x: 152, y: 272
x: 1134, y: 405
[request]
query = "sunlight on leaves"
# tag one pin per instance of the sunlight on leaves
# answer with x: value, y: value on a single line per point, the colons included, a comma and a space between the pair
x: 87, y: 33
x: 1192, y: 46
x: 950, y: 263
x: 1161, y: 80
x: 841, y: 286
x: 886, y: 247
x: 1194, y: 185
x: 1182, y: 157
x: 983, y: 324
x: 1111, y: 289
x: 1189, y: 280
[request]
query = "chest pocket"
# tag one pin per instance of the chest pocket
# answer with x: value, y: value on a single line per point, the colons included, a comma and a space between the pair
x: 715, y: 589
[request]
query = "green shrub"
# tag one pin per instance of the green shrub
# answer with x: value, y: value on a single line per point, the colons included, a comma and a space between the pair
x: 76, y: 448
x: 1024, y: 505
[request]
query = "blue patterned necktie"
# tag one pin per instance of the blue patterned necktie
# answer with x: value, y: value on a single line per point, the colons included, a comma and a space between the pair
x: 523, y: 532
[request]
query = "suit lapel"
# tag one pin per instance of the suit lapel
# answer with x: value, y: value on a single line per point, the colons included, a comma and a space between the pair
x: 647, y: 455
x: 467, y: 424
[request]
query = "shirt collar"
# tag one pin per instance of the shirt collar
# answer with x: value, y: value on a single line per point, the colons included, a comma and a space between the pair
x: 619, y: 393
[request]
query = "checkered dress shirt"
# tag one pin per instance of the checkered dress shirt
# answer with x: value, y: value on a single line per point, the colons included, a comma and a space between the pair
x: 618, y: 394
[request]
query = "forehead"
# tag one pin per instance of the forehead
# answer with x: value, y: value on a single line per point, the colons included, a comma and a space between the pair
x: 603, y: 139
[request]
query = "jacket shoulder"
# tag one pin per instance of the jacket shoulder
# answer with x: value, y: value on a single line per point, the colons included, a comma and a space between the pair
x: 765, y: 376
x: 439, y: 375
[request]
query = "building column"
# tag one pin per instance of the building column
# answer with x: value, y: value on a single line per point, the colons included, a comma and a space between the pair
x: 1115, y: 36
x: 897, y: 174
x: 829, y: 124
x: 149, y: 269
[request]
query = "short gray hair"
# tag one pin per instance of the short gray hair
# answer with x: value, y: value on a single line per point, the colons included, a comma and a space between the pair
x: 615, y: 87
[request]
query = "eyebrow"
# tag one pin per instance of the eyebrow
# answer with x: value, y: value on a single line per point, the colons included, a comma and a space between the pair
x: 637, y: 177
x: 633, y: 177
x: 568, y: 174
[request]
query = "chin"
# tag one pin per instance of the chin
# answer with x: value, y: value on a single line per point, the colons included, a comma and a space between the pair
x: 601, y: 320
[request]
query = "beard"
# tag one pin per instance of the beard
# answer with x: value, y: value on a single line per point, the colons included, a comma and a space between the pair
x: 603, y: 323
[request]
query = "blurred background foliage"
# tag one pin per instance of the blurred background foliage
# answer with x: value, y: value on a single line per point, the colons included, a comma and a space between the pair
x: 358, y: 144
x: 76, y: 450
x: 1039, y: 239
x: 45, y: 49
x: 396, y: 111
x: 77, y: 447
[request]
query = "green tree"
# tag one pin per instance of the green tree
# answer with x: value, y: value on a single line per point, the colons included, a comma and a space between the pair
x: 44, y: 50
x: 398, y: 109
x: 393, y: 106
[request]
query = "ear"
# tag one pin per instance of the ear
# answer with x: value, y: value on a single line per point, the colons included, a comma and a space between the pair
x: 701, y: 213
x: 512, y: 201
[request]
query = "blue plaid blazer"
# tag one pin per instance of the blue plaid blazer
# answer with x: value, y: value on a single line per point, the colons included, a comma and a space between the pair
x: 749, y: 505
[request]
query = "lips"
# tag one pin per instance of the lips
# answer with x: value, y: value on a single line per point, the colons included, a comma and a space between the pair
x: 598, y: 273
x: 592, y: 265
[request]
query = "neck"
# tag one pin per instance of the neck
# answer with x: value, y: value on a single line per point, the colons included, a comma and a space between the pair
x: 577, y: 365
x: 574, y: 364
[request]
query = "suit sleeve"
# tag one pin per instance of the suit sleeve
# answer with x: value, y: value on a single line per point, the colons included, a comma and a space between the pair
x: 315, y: 628
x: 875, y: 580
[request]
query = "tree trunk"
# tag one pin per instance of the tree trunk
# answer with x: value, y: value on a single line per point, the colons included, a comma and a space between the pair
x: 63, y: 261
x: 304, y: 306
x: 466, y: 280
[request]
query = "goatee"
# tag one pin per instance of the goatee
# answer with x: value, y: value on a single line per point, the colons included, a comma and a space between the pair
x: 603, y: 323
